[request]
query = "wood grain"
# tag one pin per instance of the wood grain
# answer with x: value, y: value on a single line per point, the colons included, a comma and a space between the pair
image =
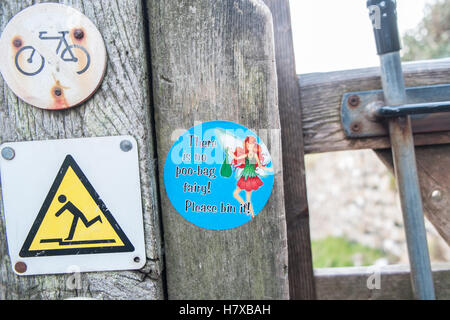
x: 432, y: 163
x: 121, y: 106
x: 321, y: 95
x: 214, y: 60
x: 301, y: 279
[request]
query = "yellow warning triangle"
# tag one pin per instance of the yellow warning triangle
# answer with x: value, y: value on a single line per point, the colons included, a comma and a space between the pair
x: 74, y: 220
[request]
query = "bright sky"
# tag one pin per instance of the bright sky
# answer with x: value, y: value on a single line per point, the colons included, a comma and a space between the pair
x: 334, y: 35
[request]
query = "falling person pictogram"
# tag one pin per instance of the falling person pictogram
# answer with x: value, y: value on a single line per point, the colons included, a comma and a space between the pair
x: 77, y: 215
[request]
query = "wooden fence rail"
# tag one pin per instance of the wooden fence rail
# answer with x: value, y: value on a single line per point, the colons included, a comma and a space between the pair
x: 370, y: 283
x: 321, y: 96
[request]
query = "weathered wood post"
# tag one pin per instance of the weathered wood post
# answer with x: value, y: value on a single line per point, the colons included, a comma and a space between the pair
x: 119, y: 107
x: 208, y: 61
x: 215, y: 60
x: 301, y: 276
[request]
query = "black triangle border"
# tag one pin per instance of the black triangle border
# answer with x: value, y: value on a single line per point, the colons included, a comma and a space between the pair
x: 69, y: 161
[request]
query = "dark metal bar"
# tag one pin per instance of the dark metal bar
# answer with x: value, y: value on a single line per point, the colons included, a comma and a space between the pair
x: 402, y: 143
x: 371, y: 123
x: 384, y: 19
x: 411, y: 109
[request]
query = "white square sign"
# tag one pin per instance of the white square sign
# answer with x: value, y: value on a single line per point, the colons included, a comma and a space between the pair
x: 72, y: 204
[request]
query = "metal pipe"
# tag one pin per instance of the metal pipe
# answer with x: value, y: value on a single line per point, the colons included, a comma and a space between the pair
x: 400, y: 131
x: 411, y: 109
x: 407, y: 179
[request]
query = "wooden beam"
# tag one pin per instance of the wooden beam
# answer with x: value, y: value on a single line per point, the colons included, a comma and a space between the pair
x: 394, y: 283
x: 432, y: 162
x: 321, y: 96
x: 301, y: 280
x: 214, y: 60
x: 120, y: 107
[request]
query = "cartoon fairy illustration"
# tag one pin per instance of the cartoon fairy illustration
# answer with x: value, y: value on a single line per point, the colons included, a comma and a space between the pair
x: 249, y: 159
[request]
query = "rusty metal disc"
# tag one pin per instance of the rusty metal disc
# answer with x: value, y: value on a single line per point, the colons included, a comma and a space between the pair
x: 53, y: 56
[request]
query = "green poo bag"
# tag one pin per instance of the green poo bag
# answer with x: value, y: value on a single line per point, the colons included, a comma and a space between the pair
x: 225, y: 170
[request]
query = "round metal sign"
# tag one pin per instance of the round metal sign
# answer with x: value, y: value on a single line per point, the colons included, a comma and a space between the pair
x: 53, y: 56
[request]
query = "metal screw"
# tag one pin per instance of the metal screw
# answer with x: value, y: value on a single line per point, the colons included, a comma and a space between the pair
x: 17, y: 43
x: 354, y: 101
x: 78, y: 34
x: 8, y: 153
x: 436, y: 195
x: 20, y: 267
x: 126, y: 145
x: 137, y: 259
x: 58, y: 92
x: 356, y: 127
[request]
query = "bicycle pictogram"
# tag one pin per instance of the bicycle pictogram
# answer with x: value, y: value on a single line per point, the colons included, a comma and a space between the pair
x: 31, y: 66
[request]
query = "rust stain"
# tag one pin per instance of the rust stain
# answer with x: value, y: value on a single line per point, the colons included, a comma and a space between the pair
x: 17, y: 42
x: 79, y: 37
x: 59, y: 99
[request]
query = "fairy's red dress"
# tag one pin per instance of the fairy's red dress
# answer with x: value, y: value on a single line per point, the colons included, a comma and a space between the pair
x: 249, y: 180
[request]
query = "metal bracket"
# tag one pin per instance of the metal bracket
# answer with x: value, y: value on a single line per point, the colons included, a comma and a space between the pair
x: 362, y: 112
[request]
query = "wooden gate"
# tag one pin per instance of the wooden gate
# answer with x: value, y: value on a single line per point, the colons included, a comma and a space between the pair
x: 172, y: 64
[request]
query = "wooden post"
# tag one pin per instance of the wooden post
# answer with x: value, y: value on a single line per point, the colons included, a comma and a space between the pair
x: 121, y: 106
x: 301, y: 276
x: 215, y: 60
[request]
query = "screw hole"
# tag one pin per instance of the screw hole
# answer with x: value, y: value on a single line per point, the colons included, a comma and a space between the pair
x: 78, y: 34
x: 17, y: 43
x: 356, y: 127
x: 137, y: 259
x: 354, y: 101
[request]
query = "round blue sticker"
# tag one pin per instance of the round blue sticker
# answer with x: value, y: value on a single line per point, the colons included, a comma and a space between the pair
x: 218, y: 175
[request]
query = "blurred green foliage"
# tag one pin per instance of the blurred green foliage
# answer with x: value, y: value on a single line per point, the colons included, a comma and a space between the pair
x: 334, y: 252
x: 431, y: 38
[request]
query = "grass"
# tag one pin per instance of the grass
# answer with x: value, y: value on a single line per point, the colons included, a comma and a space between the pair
x: 334, y: 252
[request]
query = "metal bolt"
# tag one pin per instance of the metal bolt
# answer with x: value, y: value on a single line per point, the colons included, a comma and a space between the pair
x: 137, y: 259
x: 356, y: 127
x: 78, y: 34
x: 8, y: 153
x: 20, y: 267
x: 354, y: 101
x: 58, y: 92
x: 436, y: 195
x: 126, y: 145
x: 17, y: 43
